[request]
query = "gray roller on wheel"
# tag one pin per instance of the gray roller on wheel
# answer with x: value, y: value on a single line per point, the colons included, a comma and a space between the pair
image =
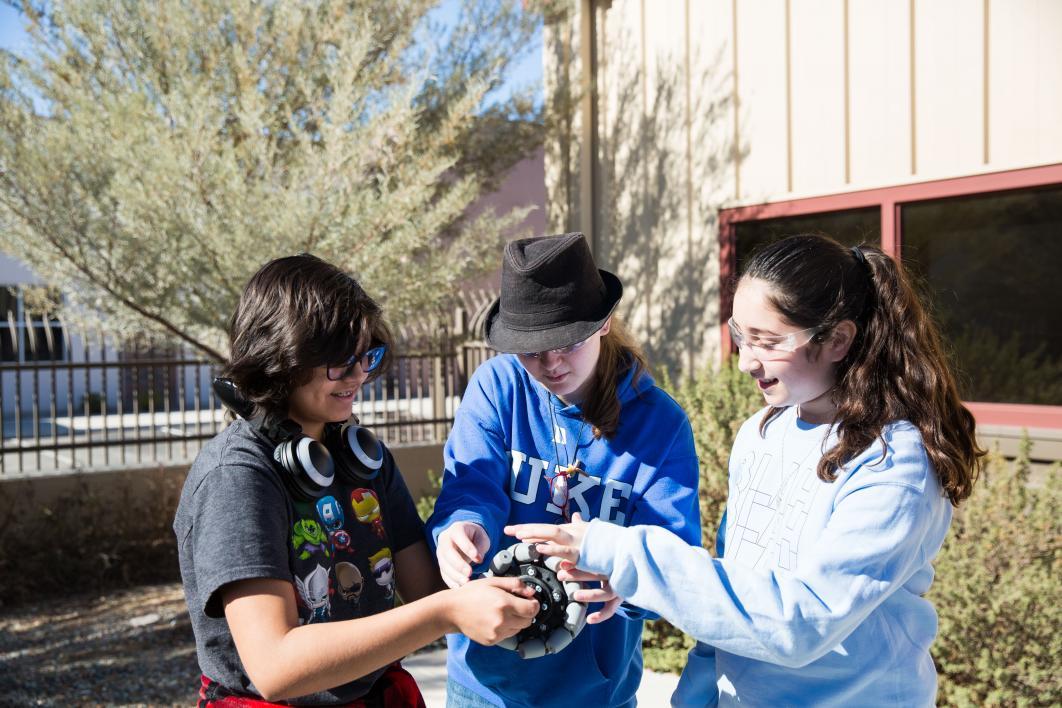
x: 501, y: 562
x: 553, y: 563
x: 525, y: 553
x: 560, y: 638
x: 560, y: 617
x: 575, y: 617
x: 531, y: 649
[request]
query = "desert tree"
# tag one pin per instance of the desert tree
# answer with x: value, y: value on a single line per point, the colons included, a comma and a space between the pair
x: 154, y: 155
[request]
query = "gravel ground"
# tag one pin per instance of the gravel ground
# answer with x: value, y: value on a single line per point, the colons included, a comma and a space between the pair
x: 128, y: 648
x: 135, y: 648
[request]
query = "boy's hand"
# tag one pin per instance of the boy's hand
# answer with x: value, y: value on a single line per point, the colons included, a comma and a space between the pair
x: 490, y: 609
x: 460, y: 546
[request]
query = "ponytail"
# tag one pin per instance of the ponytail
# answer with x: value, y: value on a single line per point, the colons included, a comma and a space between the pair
x: 619, y: 352
x: 896, y: 368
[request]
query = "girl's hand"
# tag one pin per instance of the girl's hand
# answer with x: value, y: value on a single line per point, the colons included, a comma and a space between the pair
x: 563, y: 541
x: 604, y: 593
x: 460, y: 546
x: 490, y: 609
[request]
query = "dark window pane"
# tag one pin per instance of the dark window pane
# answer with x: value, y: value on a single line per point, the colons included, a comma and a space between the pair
x: 851, y: 227
x: 7, y: 346
x: 992, y: 265
x: 58, y: 343
x: 8, y: 318
x: 43, y: 349
x: 8, y: 301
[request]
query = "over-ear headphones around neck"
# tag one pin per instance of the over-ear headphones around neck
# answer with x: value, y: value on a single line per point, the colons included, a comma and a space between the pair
x: 357, y: 448
x: 307, y: 464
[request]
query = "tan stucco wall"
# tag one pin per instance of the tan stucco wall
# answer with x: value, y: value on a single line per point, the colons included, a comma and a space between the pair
x: 689, y: 106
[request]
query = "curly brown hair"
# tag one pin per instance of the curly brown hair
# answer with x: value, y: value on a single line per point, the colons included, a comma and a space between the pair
x: 295, y: 314
x: 896, y: 368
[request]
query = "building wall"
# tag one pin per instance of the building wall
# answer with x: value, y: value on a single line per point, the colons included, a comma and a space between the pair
x: 691, y: 106
x: 15, y: 272
x: 522, y: 187
x: 24, y: 389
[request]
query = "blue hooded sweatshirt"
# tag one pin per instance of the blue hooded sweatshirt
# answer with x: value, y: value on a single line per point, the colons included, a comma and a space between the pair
x: 816, y: 597
x: 509, y: 439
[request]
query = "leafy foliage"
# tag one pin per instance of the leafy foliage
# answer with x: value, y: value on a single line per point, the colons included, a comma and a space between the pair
x: 426, y: 502
x: 152, y: 157
x: 997, y: 591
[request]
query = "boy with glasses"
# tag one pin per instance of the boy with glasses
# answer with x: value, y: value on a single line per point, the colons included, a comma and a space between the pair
x: 281, y: 519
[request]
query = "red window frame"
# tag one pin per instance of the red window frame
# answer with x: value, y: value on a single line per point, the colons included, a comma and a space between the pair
x: 890, y: 200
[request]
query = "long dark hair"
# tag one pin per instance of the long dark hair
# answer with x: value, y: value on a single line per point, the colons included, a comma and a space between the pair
x: 896, y: 368
x: 619, y: 352
x: 295, y: 314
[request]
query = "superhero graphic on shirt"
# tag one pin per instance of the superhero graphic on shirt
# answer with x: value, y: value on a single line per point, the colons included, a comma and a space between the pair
x: 313, y: 591
x: 308, y: 538
x: 366, y: 508
x: 343, y: 565
x: 383, y: 570
x: 330, y: 511
x: 350, y: 581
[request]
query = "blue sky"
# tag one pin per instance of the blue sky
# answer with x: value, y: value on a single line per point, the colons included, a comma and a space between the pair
x: 11, y: 34
x: 527, y: 73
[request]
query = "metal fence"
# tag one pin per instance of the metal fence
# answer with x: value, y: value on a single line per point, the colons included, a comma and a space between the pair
x: 105, y: 406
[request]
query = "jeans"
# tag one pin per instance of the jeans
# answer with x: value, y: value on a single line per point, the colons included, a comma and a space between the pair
x: 457, y: 696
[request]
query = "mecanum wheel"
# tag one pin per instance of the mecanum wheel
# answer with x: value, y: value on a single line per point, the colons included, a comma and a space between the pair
x: 560, y: 618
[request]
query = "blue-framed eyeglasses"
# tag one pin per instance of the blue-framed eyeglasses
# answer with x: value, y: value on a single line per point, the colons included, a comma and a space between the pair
x: 369, y: 362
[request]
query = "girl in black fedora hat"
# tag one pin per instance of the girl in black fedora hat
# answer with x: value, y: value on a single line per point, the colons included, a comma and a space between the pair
x: 567, y: 423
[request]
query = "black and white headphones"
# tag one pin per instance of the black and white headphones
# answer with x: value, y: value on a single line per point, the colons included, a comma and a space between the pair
x: 308, y: 465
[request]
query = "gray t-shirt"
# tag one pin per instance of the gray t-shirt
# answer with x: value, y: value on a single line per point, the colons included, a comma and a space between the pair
x: 237, y: 521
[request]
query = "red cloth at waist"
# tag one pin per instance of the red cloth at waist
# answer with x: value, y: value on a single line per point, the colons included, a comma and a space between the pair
x: 396, y: 688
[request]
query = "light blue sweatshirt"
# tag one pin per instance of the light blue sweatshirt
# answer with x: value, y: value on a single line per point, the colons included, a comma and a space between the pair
x: 816, y: 597
x: 508, y: 440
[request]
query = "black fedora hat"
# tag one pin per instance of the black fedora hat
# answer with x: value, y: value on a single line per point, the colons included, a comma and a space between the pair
x: 552, y: 295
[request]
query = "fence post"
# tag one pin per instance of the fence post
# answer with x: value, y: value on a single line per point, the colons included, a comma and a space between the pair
x: 438, y: 396
x: 455, y: 348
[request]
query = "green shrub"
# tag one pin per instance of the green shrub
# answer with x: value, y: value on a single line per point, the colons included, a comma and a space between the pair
x: 997, y: 592
x: 717, y: 403
x: 426, y: 503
